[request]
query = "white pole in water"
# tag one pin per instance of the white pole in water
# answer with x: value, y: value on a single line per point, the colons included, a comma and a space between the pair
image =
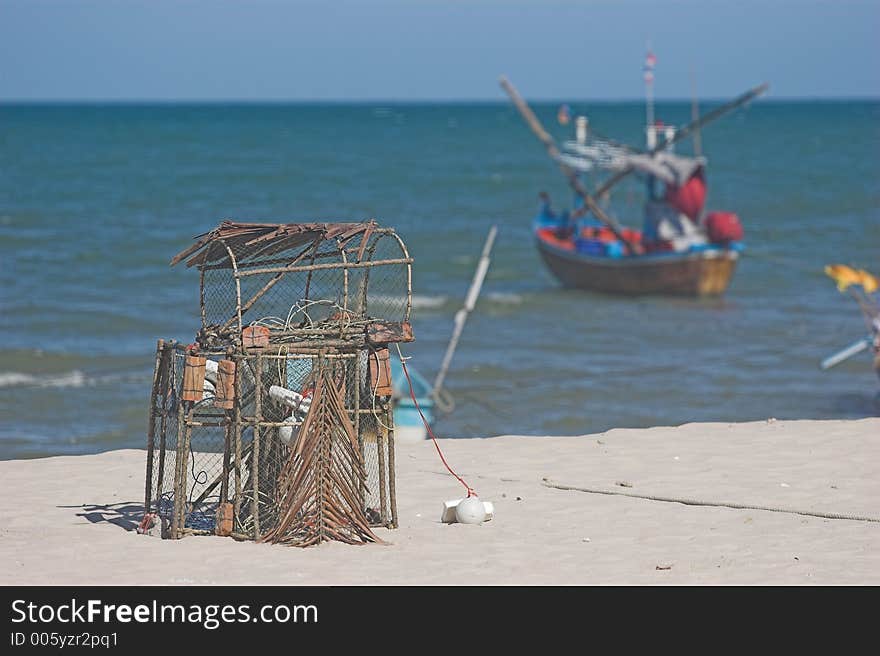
x: 461, y: 315
x: 848, y: 352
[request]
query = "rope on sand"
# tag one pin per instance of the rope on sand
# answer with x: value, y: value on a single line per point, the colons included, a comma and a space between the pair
x: 470, y: 490
x: 724, y: 504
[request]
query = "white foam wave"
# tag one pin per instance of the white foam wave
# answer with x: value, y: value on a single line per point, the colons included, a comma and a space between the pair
x: 424, y: 302
x: 419, y: 301
x: 74, y: 378
x: 505, y: 297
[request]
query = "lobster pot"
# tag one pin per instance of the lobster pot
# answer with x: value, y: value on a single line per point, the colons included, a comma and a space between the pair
x: 202, y: 457
x: 292, y: 315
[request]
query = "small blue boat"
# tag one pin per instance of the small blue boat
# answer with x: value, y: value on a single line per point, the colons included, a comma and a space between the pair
x: 408, y: 425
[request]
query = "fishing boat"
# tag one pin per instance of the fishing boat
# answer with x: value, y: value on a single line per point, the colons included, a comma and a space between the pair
x: 682, y: 248
x: 703, y: 272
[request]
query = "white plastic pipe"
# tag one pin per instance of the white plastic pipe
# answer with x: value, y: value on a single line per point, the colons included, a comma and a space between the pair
x: 290, y: 398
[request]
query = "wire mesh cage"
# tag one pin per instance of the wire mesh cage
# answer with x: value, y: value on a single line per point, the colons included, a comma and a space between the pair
x: 277, y: 424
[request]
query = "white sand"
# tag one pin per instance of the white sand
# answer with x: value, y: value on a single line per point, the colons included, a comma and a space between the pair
x: 69, y: 520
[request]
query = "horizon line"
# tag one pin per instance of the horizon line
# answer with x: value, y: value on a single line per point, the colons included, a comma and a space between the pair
x: 408, y: 101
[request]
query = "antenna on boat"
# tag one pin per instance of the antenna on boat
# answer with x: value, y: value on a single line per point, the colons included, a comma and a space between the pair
x: 648, y: 74
x: 695, y: 115
x: 462, y: 314
x: 581, y: 127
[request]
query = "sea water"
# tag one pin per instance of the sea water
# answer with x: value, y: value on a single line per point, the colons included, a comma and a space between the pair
x: 96, y: 199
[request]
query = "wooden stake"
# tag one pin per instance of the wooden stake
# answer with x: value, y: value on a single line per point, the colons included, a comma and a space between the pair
x: 255, y: 453
x: 151, y: 427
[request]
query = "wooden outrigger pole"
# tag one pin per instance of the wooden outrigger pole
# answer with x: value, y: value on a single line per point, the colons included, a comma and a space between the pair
x: 462, y: 315
x: 589, y: 202
x: 691, y: 128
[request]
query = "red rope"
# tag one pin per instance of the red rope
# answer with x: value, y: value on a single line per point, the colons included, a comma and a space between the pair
x: 470, y: 491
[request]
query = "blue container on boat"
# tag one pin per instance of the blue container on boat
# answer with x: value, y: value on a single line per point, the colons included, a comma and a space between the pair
x: 589, y: 246
x: 598, y: 247
x: 613, y: 249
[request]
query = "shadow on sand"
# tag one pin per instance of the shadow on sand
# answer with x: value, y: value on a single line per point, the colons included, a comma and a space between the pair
x: 126, y: 514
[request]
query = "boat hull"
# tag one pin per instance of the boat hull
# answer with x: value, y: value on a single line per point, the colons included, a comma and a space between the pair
x: 699, y: 273
x: 408, y: 424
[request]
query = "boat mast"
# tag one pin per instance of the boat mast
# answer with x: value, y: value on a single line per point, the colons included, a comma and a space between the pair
x: 648, y: 70
x: 695, y: 116
x: 685, y: 132
x: 650, y: 128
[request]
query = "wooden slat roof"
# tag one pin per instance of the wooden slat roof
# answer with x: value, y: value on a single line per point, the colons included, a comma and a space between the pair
x: 266, y: 238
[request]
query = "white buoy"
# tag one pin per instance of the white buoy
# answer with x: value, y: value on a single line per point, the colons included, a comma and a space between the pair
x: 470, y: 511
x: 288, y: 434
x: 449, y: 507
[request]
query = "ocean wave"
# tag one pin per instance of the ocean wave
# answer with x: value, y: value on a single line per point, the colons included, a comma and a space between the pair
x: 508, y: 298
x: 425, y: 302
x: 73, y: 378
x: 419, y: 301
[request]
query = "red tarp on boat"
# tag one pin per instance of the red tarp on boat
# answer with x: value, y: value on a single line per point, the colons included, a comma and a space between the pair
x: 690, y: 197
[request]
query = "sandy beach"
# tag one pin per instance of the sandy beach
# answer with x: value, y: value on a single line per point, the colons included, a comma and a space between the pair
x: 71, y: 520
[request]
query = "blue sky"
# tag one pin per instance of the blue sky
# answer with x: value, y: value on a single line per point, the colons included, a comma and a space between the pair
x: 413, y: 50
